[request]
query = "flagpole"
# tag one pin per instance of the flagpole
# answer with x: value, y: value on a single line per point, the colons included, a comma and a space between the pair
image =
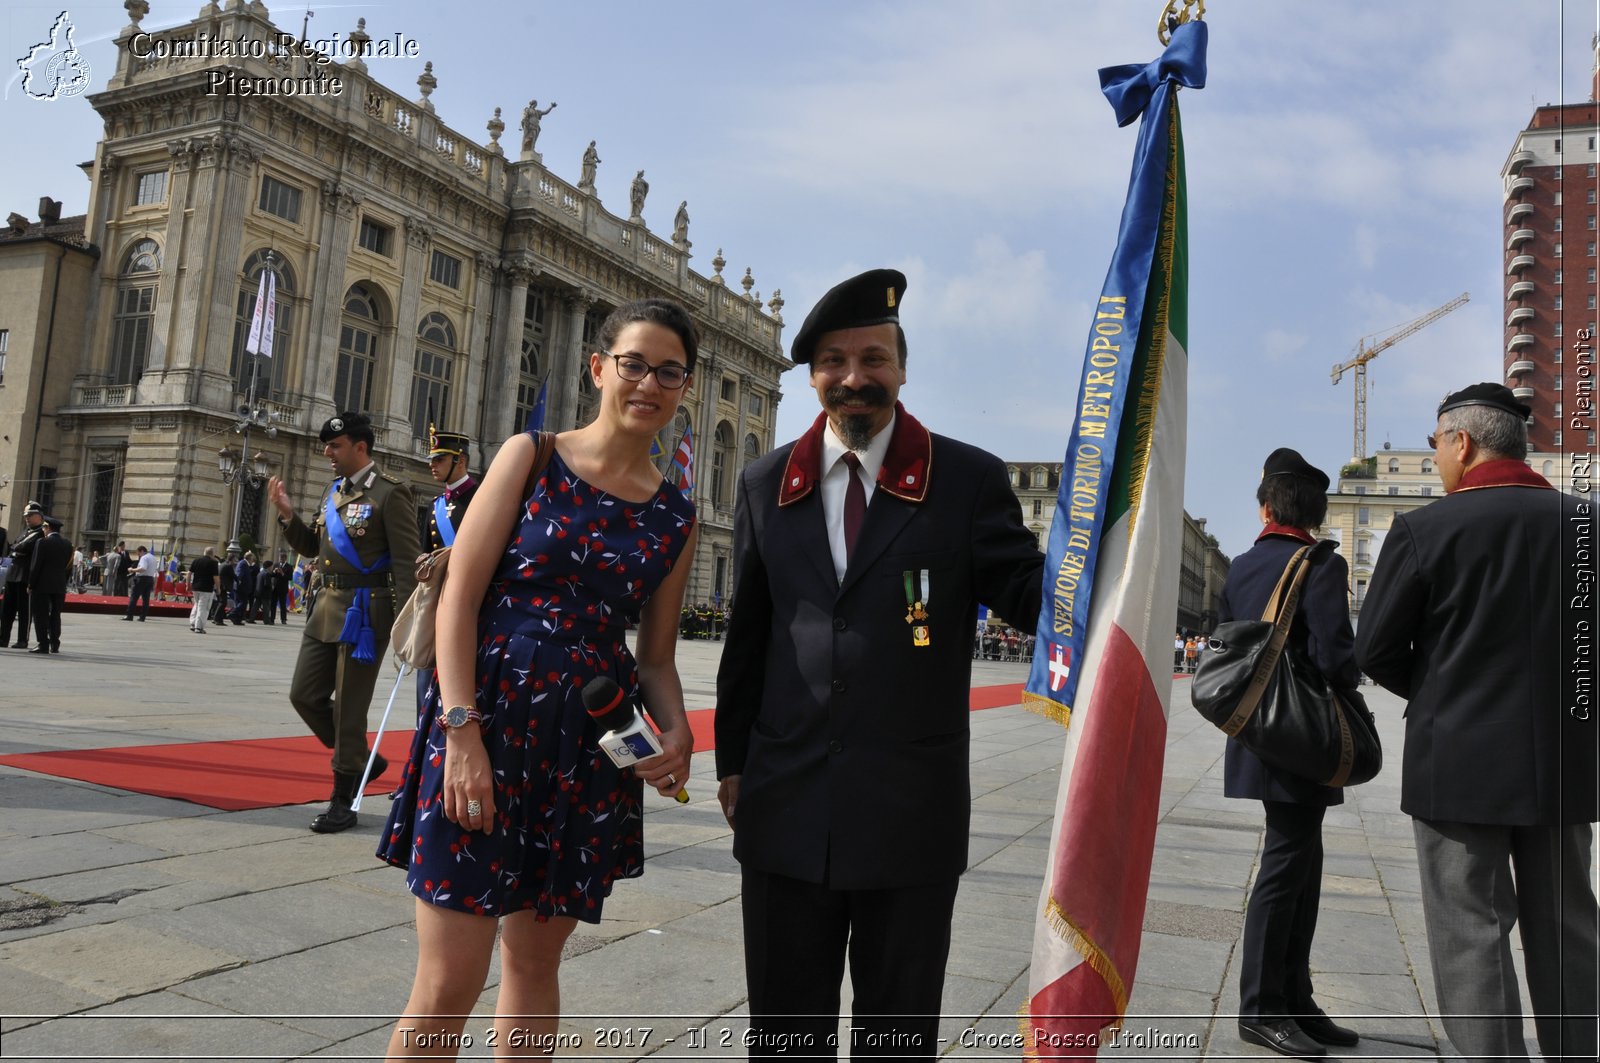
x: 247, y: 472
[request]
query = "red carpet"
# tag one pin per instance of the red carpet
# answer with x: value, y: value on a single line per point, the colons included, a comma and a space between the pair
x: 252, y: 773
x: 267, y: 772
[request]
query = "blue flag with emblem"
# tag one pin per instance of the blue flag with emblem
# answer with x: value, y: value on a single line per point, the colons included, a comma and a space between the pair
x: 536, y: 415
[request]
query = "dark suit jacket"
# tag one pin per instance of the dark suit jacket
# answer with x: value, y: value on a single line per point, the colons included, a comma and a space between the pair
x: 1471, y: 616
x: 851, y: 741
x: 1321, y: 628
x: 52, y: 557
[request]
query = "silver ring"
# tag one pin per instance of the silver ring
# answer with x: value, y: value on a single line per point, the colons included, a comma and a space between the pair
x: 672, y: 780
x: 474, y: 808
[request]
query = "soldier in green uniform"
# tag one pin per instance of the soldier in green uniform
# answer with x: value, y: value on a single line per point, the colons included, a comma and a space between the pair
x: 364, y: 536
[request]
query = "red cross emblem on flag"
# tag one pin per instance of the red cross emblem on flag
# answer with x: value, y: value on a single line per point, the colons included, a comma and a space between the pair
x: 1060, y: 666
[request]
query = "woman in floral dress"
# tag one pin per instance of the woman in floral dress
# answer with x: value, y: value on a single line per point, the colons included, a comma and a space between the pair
x: 517, y: 821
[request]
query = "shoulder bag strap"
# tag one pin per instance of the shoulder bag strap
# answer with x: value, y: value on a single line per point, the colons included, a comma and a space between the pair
x: 544, y: 445
x: 1280, y: 613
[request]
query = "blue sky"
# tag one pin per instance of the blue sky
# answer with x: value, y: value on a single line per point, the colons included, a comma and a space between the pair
x: 1343, y: 178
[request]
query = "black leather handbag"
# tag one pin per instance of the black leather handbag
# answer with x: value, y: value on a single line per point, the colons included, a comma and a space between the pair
x: 1265, y: 691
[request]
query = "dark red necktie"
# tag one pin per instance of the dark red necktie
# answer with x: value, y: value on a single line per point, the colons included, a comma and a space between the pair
x: 855, y: 504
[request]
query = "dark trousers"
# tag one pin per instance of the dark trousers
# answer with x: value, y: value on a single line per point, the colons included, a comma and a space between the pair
x: 332, y: 693
x: 47, y: 617
x: 142, y: 586
x: 1275, y: 970
x: 797, y: 936
x: 14, y: 609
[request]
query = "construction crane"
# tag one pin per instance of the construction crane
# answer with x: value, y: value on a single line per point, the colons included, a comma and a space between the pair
x: 1365, y: 354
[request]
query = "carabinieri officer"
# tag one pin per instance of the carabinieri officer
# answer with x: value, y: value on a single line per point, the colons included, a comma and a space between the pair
x: 447, y: 461
x: 365, y: 537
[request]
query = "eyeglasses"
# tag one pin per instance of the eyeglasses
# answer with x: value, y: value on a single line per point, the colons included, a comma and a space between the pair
x: 669, y: 375
x: 1433, y: 443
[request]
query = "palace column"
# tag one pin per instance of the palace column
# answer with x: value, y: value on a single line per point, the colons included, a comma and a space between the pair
x: 520, y: 271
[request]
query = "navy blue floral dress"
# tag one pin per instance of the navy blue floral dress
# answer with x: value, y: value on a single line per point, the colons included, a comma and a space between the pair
x: 567, y: 822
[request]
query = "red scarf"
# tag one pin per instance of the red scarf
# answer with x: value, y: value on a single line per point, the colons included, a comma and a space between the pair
x: 1501, y: 472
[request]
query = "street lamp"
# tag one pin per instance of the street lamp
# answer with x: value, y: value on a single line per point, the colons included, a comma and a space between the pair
x: 253, y: 414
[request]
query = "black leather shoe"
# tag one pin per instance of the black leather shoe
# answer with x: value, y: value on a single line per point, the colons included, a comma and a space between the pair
x: 19, y: 645
x: 40, y: 649
x: 1283, y: 1036
x: 1324, y: 1030
x: 379, y: 766
x: 338, y: 817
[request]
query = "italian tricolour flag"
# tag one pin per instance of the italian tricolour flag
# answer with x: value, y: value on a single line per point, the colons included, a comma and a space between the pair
x: 1102, y: 663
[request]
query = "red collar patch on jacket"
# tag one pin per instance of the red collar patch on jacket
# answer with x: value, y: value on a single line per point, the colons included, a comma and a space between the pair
x: 906, y: 464
x: 1501, y: 472
x: 1288, y: 531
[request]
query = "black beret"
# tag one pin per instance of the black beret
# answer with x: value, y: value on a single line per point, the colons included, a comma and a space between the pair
x: 1487, y: 394
x: 446, y: 442
x: 1287, y: 462
x: 873, y: 298
x: 354, y: 425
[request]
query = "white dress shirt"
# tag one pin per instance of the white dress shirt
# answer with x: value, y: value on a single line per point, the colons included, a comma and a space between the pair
x: 834, y: 471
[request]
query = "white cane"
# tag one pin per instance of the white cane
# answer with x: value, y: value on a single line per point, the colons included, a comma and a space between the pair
x: 361, y: 790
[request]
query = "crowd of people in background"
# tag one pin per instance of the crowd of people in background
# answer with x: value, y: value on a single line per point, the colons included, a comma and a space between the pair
x: 702, y: 621
x: 994, y: 643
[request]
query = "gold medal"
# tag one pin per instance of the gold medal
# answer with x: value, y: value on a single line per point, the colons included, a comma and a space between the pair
x: 916, y: 584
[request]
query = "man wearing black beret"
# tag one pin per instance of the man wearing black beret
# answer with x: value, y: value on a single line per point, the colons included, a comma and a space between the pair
x: 364, y: 535
x: 1476, y: 615
x: 862, y: 551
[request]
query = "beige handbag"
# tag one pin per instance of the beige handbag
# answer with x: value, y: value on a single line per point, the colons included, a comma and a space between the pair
x: 412, y: 637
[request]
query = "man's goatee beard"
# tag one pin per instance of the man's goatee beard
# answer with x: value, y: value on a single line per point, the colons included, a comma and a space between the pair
x: 855, y: 430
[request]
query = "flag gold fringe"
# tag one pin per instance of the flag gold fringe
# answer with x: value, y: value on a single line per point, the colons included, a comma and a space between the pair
x: 1092, y: 954
x: 1050, y: 710
x: 1144, y: 425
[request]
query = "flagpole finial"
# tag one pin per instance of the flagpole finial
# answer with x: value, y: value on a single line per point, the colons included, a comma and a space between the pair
x: 1178, y: 12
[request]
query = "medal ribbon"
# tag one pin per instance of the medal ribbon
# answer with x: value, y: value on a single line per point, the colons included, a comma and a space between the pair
x: 441, y: 520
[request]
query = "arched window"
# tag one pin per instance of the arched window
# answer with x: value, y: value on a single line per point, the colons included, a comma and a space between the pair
x: 722, y: 465
x: 1014, y: 476
x: 1549, y: 469
x: 752, y: 450
x: 431, y: 372
x: 527, y: 383
x: 273, y: 371
x: 1038, y: 476
x: 358, y: 350
x: 135, y: 312
x: 530, y: 370
x: 588, y: 398
x: 1394, y: 464
x: 1427, y: 464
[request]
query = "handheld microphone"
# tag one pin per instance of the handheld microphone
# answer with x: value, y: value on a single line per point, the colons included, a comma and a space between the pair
x: 628, y: 736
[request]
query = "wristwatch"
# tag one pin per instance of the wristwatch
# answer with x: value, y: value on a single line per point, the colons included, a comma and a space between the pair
x: 459, y: 716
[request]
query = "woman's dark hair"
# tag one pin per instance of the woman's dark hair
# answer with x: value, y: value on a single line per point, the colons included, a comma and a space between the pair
x: 1293, y: 500
x: 663, y: 312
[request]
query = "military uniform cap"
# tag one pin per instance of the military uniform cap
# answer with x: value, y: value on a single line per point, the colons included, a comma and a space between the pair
x: 340, y: 424
x: 54, y: 522
x: 872, y: 298
x: 440, y: 443
x: 33, y: 507
x: 1286, y: 461
x: 1497, y: 396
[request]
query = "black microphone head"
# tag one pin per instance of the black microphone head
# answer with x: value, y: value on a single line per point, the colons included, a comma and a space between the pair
x: 603, y: 699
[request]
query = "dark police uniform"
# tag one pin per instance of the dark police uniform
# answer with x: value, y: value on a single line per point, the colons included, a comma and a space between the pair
x: 851, y: 739
x: 15, y: 606
x: 453, y: 501
x: 1479, y: 613
x: 331, y: 690
x: 47, y: 586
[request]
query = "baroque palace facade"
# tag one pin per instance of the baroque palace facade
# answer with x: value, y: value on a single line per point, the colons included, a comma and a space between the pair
x: 420, y: 277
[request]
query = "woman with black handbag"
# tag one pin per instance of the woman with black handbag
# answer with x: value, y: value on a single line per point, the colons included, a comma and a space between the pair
x: 1276, y: 1009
